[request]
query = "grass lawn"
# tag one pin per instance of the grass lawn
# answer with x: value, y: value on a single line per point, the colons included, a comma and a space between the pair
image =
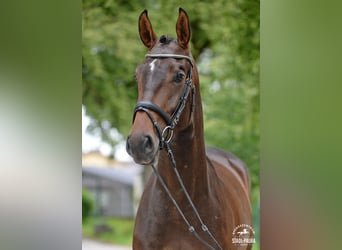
x: 122, y: 230
x: 122, y: 233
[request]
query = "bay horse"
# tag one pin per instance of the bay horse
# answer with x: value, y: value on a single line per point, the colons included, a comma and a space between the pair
x: 197, y: 195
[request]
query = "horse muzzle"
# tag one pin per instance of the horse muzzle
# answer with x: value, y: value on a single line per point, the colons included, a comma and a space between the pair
x: 143, y: 148
x: 142, y: 143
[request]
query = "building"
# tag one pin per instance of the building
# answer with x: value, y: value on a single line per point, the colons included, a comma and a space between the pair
x: 116, y: 189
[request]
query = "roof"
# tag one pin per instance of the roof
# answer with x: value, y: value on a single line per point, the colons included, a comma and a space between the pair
x: 122, y: 175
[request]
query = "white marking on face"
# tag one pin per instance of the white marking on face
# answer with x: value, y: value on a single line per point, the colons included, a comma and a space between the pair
x: 152, y: 65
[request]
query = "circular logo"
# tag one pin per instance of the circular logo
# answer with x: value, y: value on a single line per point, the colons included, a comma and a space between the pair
x: 243, y: 234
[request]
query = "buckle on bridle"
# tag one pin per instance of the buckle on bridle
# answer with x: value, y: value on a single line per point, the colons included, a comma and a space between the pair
x: 167, y: 134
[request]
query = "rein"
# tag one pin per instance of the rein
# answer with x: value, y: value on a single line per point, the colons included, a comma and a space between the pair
x: 165, y: 137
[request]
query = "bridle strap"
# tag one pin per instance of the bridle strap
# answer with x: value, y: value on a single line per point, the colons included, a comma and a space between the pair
x: 171, y: 56
x: 182, y: 101
x: 151, y: 106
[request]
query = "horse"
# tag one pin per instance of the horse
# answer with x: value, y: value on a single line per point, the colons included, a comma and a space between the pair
x: 243, y: 232
x: 197, y: 195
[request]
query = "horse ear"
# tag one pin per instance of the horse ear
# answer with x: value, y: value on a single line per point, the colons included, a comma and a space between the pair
x: 147, y: 35
x: 183, y: 29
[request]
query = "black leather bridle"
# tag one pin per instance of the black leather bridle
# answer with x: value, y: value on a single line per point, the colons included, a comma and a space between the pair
x: 171, y: 121
x: 165, y: 137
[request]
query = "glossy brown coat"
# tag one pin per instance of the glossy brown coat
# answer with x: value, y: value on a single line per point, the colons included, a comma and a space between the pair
x: 217, y: 181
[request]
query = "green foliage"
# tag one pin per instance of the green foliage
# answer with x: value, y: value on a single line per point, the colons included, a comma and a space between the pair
x: 225, y: 43
x: 111, y: 50
x: 87, y: 205
x: 122, y: 230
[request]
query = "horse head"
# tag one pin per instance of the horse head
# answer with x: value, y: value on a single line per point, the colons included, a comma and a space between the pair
x: 164, y: 81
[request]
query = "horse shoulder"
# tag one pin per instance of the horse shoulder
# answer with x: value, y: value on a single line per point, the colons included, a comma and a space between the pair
x: 230, y: 162
x: 230, y: 176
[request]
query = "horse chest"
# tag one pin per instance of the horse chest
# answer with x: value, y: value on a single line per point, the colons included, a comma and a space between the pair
x: 159, y: 226
x: 167, y: 237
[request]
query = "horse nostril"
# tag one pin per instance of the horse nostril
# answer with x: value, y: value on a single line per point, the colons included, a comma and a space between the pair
x: 147, y: 144
x: 142, y: 146
x: 128, y: 145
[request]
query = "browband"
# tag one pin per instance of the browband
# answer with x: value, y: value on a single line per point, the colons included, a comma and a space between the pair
x: 171, y: 56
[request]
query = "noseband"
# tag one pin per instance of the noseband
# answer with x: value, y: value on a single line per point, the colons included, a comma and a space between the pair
x: 171, y: 121
x: 165, y: 137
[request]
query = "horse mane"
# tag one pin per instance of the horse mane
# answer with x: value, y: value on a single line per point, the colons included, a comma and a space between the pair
x: 165, y: 39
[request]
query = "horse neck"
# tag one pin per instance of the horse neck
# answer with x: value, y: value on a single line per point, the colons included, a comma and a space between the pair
x: 188, y: 148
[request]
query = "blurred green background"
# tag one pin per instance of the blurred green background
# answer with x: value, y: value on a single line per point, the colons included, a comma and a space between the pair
x: 225, y: 44
x: 40, y: 96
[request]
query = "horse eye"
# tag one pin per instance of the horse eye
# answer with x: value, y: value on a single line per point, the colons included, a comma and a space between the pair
x: 179, y: 76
